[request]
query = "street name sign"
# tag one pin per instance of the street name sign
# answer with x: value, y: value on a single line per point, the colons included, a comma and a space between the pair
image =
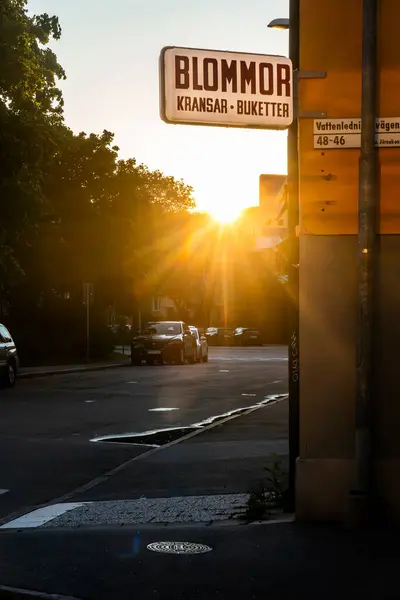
x: 228, y: 89
x: 342, y: 134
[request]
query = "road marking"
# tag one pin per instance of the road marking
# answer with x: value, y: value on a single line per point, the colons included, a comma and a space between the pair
x: 90, y: 401
x: 132, y: 382
x: 39, y: 517
x: 248, y: 394
x: 277, y: 381
x: 12, y: 592
x: 162, y: 409
x: 224, y: 370
x: 3, y: 492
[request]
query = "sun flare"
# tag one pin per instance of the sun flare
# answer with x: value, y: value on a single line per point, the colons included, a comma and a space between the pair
x: 224, y: 214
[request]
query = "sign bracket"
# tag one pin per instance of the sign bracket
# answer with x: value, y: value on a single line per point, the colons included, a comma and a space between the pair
x: 307, y: 114
x: 312, y: 114
x: 310, y: 74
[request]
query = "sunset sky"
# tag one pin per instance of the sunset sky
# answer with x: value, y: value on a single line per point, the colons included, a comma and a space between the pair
x: 110, y: 52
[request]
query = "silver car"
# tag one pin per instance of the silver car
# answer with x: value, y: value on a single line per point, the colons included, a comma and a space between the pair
x: 201, y: 345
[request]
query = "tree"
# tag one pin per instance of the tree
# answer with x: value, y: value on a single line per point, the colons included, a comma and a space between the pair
x: 29, y: 69
x: 71, y: 210
x: 102, y: 222
x: 30, y: 115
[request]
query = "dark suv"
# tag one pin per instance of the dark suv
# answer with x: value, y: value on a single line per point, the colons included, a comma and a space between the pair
x: 163, y: 342
x: 9, y: 362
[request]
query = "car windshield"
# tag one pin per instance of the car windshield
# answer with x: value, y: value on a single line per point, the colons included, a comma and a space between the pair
x: 4, y: 334
x: 163, y: 329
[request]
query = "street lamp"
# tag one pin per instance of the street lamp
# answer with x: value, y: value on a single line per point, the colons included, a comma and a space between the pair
x: 293, y: 25
x: 279, y: 24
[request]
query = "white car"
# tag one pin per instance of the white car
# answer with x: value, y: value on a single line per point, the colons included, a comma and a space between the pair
x: 201, y: 345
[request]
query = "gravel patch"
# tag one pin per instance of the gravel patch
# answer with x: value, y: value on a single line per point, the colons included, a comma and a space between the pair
x: 181, y: 509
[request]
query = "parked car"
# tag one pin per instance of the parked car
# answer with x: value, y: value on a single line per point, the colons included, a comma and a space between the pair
x: 219, y: 336
x: 201, y: 345
x: 164, y: 341
x: 245, y: 336
x: 9, y: 362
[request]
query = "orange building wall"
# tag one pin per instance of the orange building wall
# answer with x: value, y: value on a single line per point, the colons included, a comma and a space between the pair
x: 331, y: 41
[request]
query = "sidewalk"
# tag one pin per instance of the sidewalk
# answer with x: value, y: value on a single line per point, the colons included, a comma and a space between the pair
x: 118, y: 360
x: 202, y: 479
x: 198, y: 479
x: 248, y: 562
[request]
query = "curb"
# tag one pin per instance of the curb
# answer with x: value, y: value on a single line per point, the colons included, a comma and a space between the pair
x: 66, y: 371
x: 11, y: 593
x: 102, y: 478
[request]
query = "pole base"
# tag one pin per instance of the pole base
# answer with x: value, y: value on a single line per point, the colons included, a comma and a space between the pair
x: 288, y: 501
x: 358, y: 509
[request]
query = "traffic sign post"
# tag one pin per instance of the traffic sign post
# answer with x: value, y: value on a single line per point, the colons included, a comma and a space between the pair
x: 367, y: 263
x: 88, y: 294
x: 293, y: 266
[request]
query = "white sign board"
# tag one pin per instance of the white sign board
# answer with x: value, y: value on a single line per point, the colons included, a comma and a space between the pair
x: 229, y: 89
x: 346, y: 133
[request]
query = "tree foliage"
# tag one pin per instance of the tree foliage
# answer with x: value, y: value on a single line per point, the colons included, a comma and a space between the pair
x: 71, y: 210
x: 29, y: 69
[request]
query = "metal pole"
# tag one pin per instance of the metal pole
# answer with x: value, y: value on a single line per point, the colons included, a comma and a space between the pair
x: 367, y: 249
x: 293, y: 263
x: 87, y: 322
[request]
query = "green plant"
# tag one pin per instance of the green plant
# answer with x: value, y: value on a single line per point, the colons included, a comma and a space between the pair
x: 266, y: 494
x: 276, y: 482
x: 257, y: 502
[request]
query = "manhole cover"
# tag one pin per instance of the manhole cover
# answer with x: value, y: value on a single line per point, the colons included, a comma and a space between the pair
x: 178, y: 547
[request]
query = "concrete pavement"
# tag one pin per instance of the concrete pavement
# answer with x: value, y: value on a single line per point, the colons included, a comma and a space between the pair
x: 226, y: 459
x: 46, y: 371
x: 46, y: 424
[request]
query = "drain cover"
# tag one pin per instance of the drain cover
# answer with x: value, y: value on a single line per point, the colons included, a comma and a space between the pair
x: 178, y: 547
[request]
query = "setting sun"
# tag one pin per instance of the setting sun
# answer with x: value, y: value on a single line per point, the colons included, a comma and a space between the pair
x: 225, y: 213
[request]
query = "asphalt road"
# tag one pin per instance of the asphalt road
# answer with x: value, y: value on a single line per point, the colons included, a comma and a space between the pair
x: 274, y: 562
x: 46, y: 424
